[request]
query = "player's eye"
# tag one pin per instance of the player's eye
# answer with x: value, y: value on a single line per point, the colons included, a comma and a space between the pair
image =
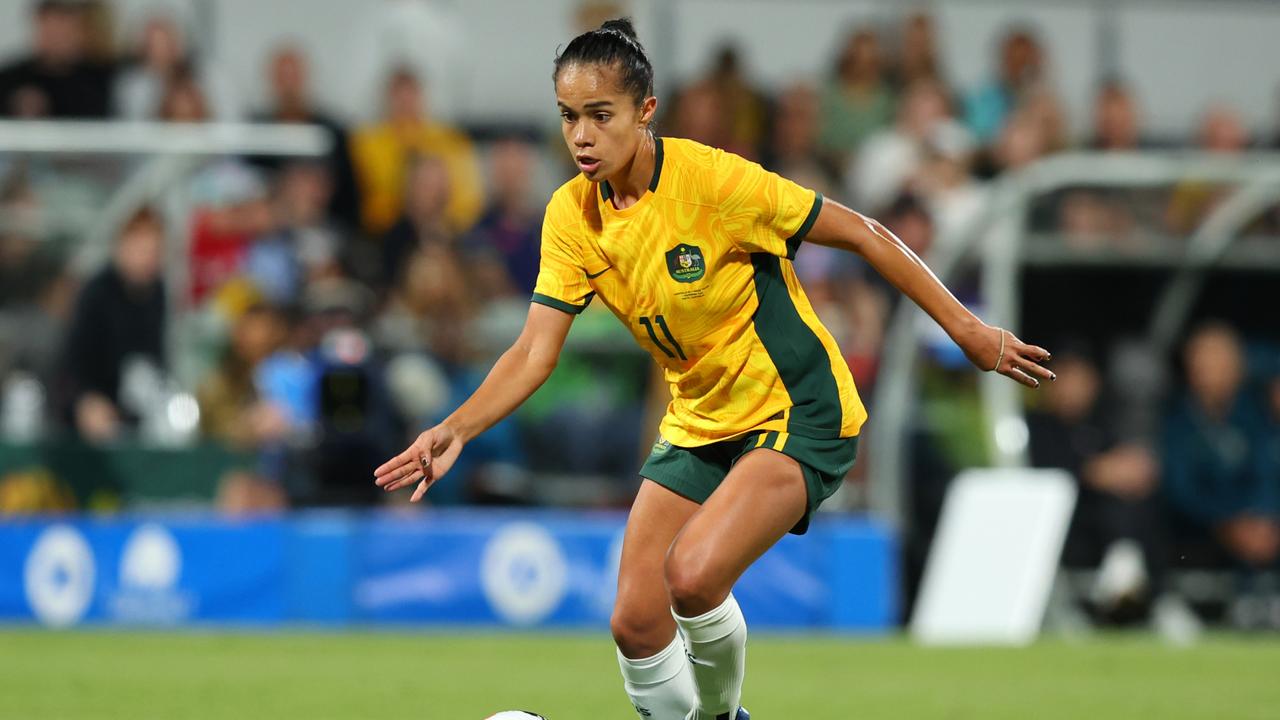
x: 566, y: 115
x: 602, y: 117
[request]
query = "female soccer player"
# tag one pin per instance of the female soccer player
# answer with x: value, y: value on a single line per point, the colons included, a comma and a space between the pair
x: 691, y: 249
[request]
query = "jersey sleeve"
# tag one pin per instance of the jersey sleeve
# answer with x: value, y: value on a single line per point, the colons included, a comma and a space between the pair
x: 762, y: 211
x: 562, y: 277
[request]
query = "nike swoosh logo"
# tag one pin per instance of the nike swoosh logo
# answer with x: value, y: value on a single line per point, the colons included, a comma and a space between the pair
x: 696, y: 661
x: 593, y: 277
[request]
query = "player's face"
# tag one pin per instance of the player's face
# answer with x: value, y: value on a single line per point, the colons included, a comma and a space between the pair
x: 601, y: 124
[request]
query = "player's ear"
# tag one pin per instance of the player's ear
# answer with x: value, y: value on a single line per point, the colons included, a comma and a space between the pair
x: 648, y: 109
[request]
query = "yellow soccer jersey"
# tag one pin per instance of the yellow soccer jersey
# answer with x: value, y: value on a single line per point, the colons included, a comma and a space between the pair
x: 699, y: 270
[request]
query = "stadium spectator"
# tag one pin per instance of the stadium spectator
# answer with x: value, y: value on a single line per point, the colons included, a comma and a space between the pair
x: 1118, y: 510
x: 892, y: 157
x: 858, y: 99
x: 424, y: 221
x: 1093, y: 220
x: 36, y: 330
x: 432, y: 285
x: 382, y: 154
x: 233, y: 412
x: 183, y: 100
x: 20, y: 237
x: 944, y: 181
x: 698, y: 113
x: 303, y: 244
x: 100, y: 31
x: 1021, y: 67
x: 114, y: 359
x: 1020, y: 143
x: 1044, y: 107
x: 1099, y: 219
x: 1221, y: 473
x: 1222, y: 132
x: 792, y: 150
x: 509, y: 233
x: 911, y: 222
x: 288, y: 75
x: 59, y: 79
x: 231, y: 199
x: 160, y: 55
x: 918, y: 53
x: 1117, y: 119
x: 36, y: 298
x: 746, y: 108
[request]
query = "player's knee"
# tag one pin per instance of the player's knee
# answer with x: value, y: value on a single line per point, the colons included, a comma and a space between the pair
x: 638, y: 634
x: 690, y: 585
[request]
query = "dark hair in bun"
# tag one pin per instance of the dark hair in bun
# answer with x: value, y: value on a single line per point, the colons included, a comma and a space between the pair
x: 613, y: 44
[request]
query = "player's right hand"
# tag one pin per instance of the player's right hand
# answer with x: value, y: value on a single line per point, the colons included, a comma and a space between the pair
x: 423, y: 462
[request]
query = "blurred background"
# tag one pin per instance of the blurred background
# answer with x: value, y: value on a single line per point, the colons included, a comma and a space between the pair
x: 249, y: 250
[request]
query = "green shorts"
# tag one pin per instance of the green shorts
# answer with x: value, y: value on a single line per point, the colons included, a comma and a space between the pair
x: 695, y: 472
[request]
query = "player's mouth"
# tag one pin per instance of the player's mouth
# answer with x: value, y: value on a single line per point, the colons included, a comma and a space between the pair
x: 588, y: 164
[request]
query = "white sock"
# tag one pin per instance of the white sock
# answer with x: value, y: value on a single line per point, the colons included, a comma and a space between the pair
x: 660, y: 687
x: 717, y: 643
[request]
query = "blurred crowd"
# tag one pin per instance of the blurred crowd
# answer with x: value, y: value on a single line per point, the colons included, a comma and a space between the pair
x: 334, y: 306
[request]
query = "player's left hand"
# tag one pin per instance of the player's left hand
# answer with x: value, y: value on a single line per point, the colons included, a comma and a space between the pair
x: 995, y: 349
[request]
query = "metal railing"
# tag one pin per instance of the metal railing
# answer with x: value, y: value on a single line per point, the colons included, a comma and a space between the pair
x: 166, y: 153
x: 1000, y: 242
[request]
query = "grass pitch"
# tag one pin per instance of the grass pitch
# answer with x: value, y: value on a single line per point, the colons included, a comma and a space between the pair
x: 455, y: 676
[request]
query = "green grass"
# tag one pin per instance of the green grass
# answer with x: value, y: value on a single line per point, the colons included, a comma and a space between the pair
x: 100, y: 674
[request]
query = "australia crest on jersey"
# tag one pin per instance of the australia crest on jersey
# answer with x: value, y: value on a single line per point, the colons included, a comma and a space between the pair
x: 685, y: 263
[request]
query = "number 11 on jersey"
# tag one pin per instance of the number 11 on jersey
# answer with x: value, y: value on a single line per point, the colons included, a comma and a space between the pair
x: 666, y: 332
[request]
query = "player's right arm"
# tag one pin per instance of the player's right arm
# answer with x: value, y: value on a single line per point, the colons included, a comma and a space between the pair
x: 518, y: 373
x: 562, y: 291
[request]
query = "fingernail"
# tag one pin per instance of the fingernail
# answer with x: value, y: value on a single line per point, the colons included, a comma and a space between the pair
x: 1037, y: 384
x: 1053, y: 377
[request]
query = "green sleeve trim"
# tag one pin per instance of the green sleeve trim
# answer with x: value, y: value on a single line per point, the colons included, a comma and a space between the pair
x: 793, y: 242
x: 560, y: 304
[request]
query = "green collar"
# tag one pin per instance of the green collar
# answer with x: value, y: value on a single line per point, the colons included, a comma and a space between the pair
x: 606, y: 192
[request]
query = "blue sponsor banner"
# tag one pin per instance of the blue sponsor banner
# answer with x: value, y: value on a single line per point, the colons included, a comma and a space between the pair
x: 456, y: 567
x: 142, y: 571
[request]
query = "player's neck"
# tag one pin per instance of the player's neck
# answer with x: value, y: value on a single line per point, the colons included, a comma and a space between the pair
x: 630, y: 184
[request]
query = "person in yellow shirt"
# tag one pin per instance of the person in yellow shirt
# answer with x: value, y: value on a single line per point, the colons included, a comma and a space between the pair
x: 383, y: 152
x: 691, y: 248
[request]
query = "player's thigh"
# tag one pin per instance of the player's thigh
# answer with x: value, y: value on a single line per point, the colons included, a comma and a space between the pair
x: 760, y: 500
x: 641, y: 613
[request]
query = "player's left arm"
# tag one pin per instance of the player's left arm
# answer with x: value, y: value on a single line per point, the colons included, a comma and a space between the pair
x: 987, y: 347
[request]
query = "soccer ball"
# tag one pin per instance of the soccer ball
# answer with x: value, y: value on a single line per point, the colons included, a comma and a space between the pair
x: 515, y: 715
